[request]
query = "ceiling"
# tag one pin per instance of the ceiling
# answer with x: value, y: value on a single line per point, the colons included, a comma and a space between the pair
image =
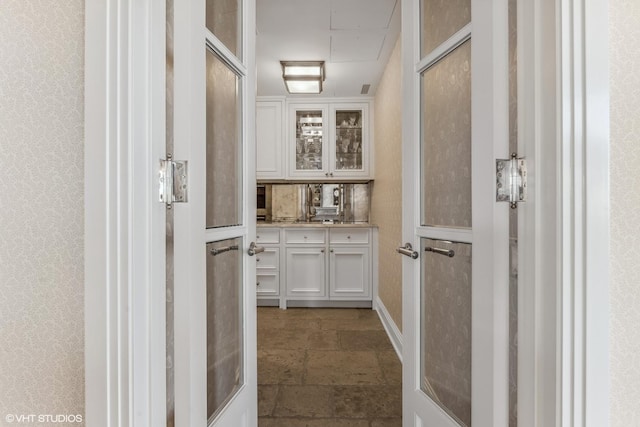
x: 354, y: 38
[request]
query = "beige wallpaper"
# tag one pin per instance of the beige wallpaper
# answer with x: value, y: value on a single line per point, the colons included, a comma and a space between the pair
x: 625, y: 212
x: 386, y: 197
x: 41, y: 188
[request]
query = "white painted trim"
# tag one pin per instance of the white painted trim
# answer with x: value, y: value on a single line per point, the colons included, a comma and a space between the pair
x: 389, y: 326
x: 375, y: 266
x: 124, y: 228
x: 490, y: 250
x: 585, y: 209
x: 539, y: 261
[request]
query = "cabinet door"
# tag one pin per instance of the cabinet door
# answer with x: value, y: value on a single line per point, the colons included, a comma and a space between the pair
x: 267, y: 284
x: 349, y: 273
x: 269, y: 140
x: 306, y: 273
x: 308, y: 143
x: 350, y: 140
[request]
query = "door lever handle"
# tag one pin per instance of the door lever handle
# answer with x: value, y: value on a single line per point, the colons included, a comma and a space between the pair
x: 253, y: 249
x: 447, y: 252
x: 407, y: 250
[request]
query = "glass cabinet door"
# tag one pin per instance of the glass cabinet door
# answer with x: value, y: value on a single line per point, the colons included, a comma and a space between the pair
x: 329, y: 140
x: 348, y: 146
x: 310, y: 149
x: 349, y: 140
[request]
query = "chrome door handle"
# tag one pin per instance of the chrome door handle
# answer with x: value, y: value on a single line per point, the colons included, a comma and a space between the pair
x: 447, y: 252
x: 253, y: 249
x: 407, y: 250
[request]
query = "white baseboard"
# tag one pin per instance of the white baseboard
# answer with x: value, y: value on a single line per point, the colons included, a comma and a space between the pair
x: 390, y: 326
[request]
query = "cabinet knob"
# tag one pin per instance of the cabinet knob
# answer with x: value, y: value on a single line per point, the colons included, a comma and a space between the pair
x: 348, y: 237
x: 326, y: 174
x: 331, y: 250
x: 331, y: 174
x: 257, y: 284
x: 257, y: 259
x: 322, y: 250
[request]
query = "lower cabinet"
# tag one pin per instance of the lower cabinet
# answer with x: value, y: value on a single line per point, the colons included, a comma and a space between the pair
x: 318, y: 263
x: 268, y: 264
x: 349, y: 269
x: 306, y: 273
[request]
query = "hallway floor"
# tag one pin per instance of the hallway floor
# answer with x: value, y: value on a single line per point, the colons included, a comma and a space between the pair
x: 326, y: 367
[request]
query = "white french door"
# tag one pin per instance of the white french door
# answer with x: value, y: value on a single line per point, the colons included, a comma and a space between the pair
x: 214, y: 275
x: 456, y: 290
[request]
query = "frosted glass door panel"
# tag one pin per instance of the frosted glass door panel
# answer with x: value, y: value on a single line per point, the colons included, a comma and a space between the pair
x: 224, y: 145
x: 224, y: 323
x: 445, y: 348
x: 309, y: 140
x: 224, y: 20
x: 348, y: 140
x: 440, y: 19
x: 446, y: 140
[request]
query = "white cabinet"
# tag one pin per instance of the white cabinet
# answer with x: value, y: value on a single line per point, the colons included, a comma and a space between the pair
x: 328, y: 264
x: 270, y: 140
x: 268, y: 263
x: 306, y: 273
x: 349, y: 264
x: 329, y: 140
x: 350, y: 141
x: 308, y: 131
x: 349, y: 273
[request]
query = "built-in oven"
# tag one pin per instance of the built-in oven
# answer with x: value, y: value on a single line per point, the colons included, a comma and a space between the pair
x: 263, y: 194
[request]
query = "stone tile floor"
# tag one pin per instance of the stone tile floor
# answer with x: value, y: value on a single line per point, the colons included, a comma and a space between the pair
x: 326, y: 367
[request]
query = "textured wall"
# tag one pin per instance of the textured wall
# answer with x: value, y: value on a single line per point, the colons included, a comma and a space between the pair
x: 386, y: 198
x: 41, y: 188
x: 446, y: 140
x: 625, y: 212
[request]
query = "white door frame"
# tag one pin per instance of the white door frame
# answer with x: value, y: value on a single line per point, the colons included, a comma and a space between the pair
x: 124, y: 355
x: 563, y: 249
x: 124, y: 224
x: 584, y: 132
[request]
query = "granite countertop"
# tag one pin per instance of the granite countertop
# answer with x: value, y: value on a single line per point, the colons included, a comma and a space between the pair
x: 314, y: 224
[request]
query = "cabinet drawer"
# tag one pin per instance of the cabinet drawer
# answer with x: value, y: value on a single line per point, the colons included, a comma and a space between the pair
x: 268, y: 235
x: 269, y: 259
x: 358, y: 236
x: 302, y: 236
x: 268, y: 284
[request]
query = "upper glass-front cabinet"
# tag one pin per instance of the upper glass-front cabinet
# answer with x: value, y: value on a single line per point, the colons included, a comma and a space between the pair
x: 330, y: 141
x: 310, y: 153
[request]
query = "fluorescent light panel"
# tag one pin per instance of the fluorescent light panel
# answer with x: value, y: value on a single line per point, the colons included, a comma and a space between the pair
x: 304, y: 77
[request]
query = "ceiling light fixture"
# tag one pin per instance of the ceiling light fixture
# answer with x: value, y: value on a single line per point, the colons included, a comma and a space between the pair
x: 303, y: 76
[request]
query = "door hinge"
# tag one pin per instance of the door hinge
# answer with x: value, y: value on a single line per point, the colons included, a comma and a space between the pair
x: 173, y: 181
x: 511, y: 180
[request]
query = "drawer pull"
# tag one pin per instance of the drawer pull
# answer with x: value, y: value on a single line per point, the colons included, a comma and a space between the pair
x: 257, y: 284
